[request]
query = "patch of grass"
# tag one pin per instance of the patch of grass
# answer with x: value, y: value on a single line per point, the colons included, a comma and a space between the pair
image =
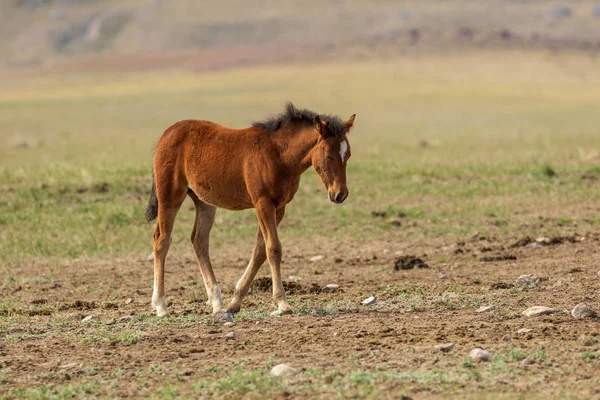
x: 588, y: 340
x: 125, y: 337
x: 241, y: 381
x: 516, y: 354
x: 539, y: 356
x: 48, y: 392
x: 589, y: 355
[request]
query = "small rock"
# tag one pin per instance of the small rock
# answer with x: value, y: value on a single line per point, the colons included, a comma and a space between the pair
x: 228, y: 323
x: 582, y: 311
x: 400, y: 252
x: 150, y: 257
x: 316, y: 258
x: 479, y: 355
x: 332, y: 286
x: 485, y: 308
x: 543, y: 240
x: 442, y: 275
x: 283, y: 370
x: 126, y: 318
x: 337, y: 260
x: 535, y: 245
x: 129, y: 301
x: 293, y: 278
x: 506, y: 338
x: 87, y: 319
x: 538, y: 310
x: 69, y: 366
x: 446, y: 347
x: 523, y: 331
x: 369, y: 301
x: 528, y: 361
x: 528, y: 281
x: 230, y: 335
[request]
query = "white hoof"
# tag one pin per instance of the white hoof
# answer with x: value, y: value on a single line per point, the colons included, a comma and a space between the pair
x: 220, y: 317
x: 160, y: 305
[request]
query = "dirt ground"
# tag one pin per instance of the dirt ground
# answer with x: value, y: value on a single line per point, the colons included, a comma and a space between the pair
x: 45, y: 342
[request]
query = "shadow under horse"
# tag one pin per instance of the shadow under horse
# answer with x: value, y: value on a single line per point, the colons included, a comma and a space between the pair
x: 236, y: 169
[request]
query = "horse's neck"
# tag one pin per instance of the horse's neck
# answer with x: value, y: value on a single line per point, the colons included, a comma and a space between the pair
x: 296, y: 148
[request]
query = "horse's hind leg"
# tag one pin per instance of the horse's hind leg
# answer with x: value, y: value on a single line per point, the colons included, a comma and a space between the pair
x: 205, y: 218
x: 169, y: 202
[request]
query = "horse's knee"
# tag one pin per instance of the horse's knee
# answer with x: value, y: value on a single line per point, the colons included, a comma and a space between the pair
x: 274, y: 251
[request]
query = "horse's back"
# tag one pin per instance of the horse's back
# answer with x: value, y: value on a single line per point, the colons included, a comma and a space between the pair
x: 211, y: 159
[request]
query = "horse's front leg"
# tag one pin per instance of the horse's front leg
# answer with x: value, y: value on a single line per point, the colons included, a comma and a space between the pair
x: 267, y: 219
x: 258, y: 258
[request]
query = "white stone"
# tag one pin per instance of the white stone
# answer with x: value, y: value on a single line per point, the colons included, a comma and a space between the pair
x: 369, y: 301
x: 446, y: 347
x: 69, y: 366
x: 582, y: 311
x: 87, y: 319
x: 316, y: 258
x: 283, y: 370
x: 538, y: 310
x: 479, y: 355
x: 332, y: 287
x: 129, y: 301
x: 524, y: 330
x: 485, y: 308
x: 228, y: 323
x: 230, y: 336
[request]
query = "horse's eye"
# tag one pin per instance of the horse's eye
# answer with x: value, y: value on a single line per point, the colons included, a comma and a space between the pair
x: 329, y: 158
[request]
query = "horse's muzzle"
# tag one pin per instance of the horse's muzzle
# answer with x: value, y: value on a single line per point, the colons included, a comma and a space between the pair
x: 338, y: 197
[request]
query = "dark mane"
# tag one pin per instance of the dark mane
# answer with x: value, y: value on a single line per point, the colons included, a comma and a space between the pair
x: 292, y: 115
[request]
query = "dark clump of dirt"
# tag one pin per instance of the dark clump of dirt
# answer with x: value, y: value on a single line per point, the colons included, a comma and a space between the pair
x: 522, y: 242
x: 78, y: 305
x: 264, y: 284
x: 380, y: 214
x: 101, y: 187
x: 502, y: 285
x: 409, y: 262
x: 498, y: 257
x: 315, y: 289
x: 547, y: 241
x: 39, y: 301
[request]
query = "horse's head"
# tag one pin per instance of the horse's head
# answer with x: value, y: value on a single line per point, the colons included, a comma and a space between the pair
x: 330, y: 158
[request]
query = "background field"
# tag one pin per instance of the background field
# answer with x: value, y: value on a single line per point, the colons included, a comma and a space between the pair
x: 461, y: 151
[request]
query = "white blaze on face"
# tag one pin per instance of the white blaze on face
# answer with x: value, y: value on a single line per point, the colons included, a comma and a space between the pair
x: 343, y: 149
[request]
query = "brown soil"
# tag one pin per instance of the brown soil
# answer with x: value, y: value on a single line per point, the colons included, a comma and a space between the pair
x: 416, y: 309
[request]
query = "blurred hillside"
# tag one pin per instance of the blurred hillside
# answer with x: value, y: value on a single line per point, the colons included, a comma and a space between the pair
x: 153, y: 33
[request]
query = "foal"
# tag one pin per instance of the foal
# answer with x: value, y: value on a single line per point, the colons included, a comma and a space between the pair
x: 258, y: 167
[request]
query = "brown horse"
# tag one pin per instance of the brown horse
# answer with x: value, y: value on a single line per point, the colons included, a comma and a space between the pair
x: 258, y: 167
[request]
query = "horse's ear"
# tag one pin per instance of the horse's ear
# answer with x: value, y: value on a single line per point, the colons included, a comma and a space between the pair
x: 320, y: 125
x: 350, y: 123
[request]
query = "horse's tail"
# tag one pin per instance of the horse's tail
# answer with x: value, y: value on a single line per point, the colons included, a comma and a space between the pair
x: 152, y: 209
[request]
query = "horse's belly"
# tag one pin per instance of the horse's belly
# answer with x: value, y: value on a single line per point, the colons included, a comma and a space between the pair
x: 230, y: 200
